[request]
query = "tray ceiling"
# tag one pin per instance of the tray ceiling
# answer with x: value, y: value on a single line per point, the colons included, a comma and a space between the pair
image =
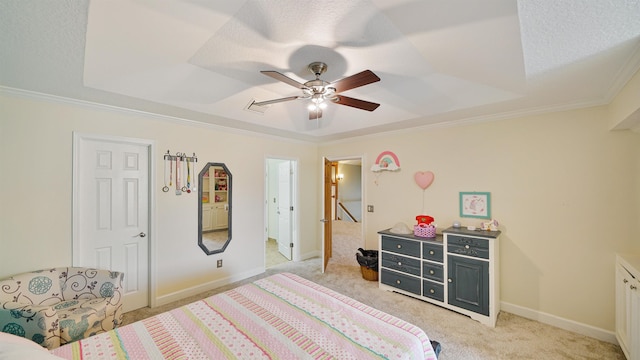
x: 439, y: 61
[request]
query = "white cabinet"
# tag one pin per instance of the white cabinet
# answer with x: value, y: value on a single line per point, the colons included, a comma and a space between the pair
x: 207, y: 218
x: 220, y: 216
x: 215, y: 195
x: 628, y: 305
x: 215, y: 217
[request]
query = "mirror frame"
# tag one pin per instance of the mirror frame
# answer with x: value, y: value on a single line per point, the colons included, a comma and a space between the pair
x: 205, y: 168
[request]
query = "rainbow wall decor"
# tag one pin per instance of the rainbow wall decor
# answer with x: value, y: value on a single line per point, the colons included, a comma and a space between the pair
x: 386, y: 161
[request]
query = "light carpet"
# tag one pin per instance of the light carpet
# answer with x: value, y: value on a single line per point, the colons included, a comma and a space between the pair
x: 513, y: 337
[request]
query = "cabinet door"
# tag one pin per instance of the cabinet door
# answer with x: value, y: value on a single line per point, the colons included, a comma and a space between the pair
x: 468, y: 286
x: 221, y: 220
x: 623, y: 305
x: 634, y: 318
x: 207, y: 221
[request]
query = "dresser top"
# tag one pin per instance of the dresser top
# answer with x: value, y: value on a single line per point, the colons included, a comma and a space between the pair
x: 477, y: 232
x: 438, y: 237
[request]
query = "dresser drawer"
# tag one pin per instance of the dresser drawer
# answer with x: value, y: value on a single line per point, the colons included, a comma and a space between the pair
x: 401, y: 263
x: 400, y: 281
x: 433, y: 290
x: 401, y: 246
x: 432, y: 252
x: 468, y: 246
x: 432, y: 271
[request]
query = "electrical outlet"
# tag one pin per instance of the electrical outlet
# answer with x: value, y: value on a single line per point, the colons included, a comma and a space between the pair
x: 219, y: 263
x: 369, y: 208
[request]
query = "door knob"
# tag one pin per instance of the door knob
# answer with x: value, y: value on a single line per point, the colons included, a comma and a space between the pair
x: 324, y: 220
x: 142, y: 234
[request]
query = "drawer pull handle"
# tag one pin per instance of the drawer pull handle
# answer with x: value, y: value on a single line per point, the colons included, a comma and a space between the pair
x: 399, y: 263
x: 431, y: 252
x: 432, y: 291
x: 398, y: 282
x: 633, y: 287
x: 399, y: 246
x: 431, y: 272
x: 466, y: 246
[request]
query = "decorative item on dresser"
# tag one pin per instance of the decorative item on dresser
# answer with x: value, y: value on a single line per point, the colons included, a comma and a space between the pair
x: 628, y: 304
x: 417, y: 267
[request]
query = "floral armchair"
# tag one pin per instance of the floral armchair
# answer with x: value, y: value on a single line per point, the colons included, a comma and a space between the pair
x: 56, y: 306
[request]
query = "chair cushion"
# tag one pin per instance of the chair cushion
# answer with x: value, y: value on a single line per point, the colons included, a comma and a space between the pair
x: 37, y: 287
x: 82, y: 318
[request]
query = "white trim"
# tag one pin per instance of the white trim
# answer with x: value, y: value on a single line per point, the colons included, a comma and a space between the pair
x: 202, y: 288
x: 310, y: 255
x: 434, y: 122
x: 252, y: 130
x: 75, y: 223
x: 562, y: 323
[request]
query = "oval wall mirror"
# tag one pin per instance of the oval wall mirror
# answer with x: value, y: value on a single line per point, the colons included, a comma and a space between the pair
x: 214, y: 208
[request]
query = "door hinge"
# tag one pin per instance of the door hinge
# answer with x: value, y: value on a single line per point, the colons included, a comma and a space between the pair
x: 290, y: 245
x: 291, y: 208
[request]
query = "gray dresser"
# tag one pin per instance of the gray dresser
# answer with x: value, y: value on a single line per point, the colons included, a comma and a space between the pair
x: 457, y: 270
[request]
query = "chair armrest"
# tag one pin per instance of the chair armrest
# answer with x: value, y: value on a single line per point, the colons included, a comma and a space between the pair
x: 88, y: 283
x: 38, y: 323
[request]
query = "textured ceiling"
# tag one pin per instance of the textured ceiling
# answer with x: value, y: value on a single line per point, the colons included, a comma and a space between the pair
x: 439, y: 61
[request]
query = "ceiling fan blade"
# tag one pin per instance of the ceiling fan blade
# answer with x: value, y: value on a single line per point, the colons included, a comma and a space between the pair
x: 274, y: 101
x: 354, y: 81
x: 315, y: 114
x: 356, y: 103
x: 285, y: 79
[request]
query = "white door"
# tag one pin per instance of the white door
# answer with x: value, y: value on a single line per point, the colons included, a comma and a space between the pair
x: 285, y: 209
x: 111, y: 211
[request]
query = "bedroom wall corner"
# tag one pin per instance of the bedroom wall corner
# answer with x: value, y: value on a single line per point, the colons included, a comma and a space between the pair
x: 563, y: 187
x: 35, y: 232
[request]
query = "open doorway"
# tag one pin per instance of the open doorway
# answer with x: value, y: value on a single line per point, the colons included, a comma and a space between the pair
x: 280, y: 211
x: 345, y: 190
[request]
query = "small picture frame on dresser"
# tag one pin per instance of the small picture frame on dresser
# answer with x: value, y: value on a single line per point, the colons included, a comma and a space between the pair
x: 475, y: 205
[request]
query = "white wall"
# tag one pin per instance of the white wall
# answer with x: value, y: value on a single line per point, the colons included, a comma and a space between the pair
x: 35, y: 191
x: 563, y: 188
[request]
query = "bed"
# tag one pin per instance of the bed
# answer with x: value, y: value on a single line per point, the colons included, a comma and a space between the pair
x: 282, y: 316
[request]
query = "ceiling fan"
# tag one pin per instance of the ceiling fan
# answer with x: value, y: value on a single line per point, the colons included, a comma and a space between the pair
x: 320, y: 92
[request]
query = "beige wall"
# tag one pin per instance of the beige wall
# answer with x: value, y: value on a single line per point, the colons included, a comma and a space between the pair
x: 35, y: 190
x: 563, y: 188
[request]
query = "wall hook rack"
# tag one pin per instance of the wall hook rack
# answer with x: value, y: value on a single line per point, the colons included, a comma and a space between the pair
x: 179, y: 170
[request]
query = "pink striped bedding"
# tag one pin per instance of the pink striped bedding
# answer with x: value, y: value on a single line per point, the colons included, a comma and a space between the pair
x: 282, y: 316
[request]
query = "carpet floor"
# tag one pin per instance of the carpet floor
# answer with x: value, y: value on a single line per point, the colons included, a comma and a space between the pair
x: 514, y: 337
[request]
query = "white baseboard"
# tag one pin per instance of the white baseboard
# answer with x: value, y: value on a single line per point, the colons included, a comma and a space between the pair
x: 309, y: 255
x: 562, y: 323
x: 199, y: 289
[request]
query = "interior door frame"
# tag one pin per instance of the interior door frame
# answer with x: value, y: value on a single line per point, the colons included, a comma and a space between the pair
x: 295, y: 223
x: 75, y: 217
x: 323, y: 184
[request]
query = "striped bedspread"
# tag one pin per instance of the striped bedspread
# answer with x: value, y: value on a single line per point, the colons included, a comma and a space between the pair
x: 282, y: 316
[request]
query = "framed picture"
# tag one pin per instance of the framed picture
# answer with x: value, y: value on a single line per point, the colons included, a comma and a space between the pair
x: 475, y: 205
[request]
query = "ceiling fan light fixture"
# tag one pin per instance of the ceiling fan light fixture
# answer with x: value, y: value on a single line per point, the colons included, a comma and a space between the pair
x: 320, y: 92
